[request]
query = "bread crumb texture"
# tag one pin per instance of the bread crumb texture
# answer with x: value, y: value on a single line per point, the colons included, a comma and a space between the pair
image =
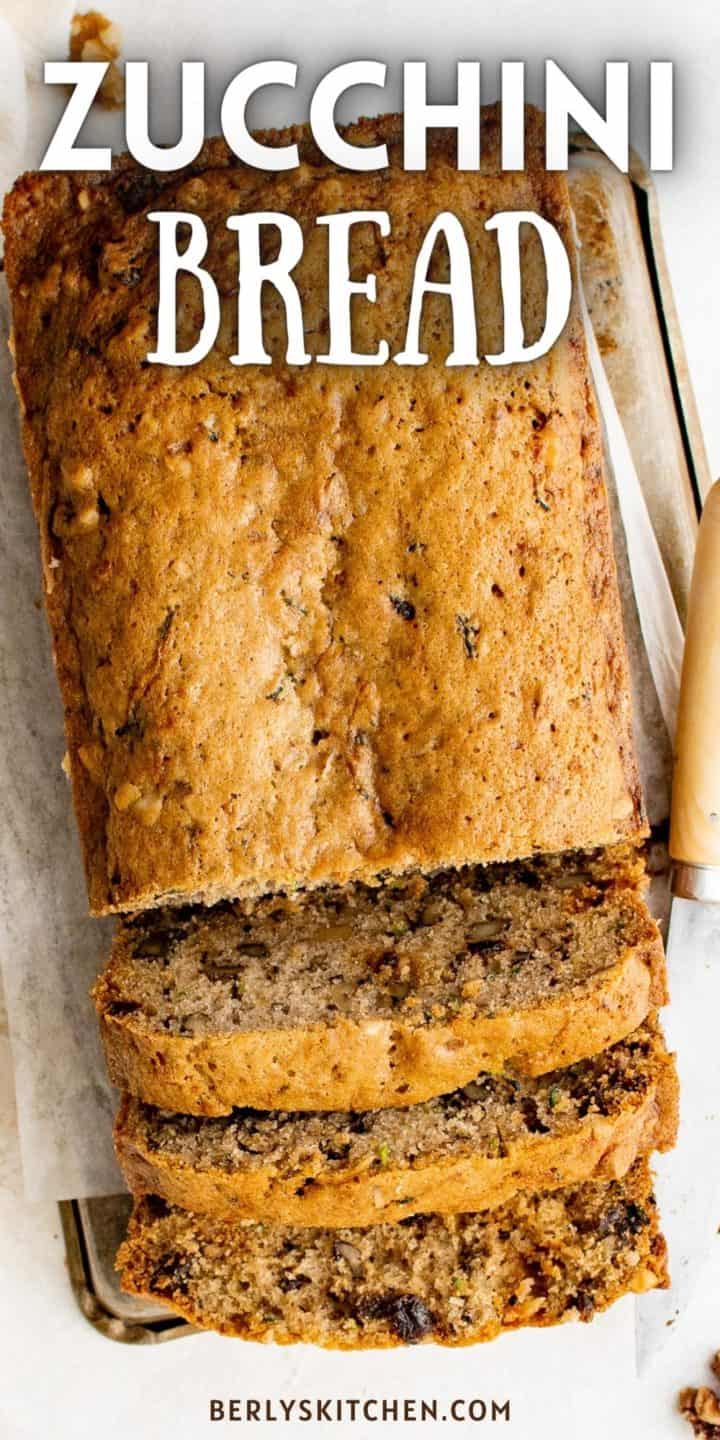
x: 448, y: 1279
x: 365, y: 997
x: 475, y: 1148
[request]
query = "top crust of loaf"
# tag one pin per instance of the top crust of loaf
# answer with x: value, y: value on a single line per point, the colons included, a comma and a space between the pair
x: 315, y: 624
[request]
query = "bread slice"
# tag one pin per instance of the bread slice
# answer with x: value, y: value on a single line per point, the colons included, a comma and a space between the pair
x: 469, y: 1150
x: 450, y: 1279
x: 362, y: 998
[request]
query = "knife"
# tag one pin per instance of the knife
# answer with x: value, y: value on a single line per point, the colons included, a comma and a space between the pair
x: 688, y: 1179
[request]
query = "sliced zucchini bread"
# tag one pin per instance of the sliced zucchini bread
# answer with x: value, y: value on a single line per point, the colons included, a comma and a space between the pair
x: 361, y: 998
x: 469, y: 1150
x: 449, y: 1279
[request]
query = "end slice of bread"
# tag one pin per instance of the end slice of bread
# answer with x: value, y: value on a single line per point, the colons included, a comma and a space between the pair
x: 453, y: 1280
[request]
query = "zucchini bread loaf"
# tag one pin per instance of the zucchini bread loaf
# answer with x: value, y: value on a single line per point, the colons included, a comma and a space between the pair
x: 314, y: 624
x: 449, y: 1279
x: 360, y: 998
x: 470, y: 1150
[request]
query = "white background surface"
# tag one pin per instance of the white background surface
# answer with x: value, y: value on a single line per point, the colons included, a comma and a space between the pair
x: 62, y: 1379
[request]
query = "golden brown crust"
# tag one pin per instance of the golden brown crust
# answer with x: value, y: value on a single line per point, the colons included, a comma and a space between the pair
x: 377, y: 1063
x: 380, y: 546
x: 597, y: 1147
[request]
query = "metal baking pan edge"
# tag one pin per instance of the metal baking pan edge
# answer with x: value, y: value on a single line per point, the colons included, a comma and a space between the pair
x: 113, y: 1327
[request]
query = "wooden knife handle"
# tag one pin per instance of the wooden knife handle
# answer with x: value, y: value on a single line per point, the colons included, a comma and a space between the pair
x: 695, y: 816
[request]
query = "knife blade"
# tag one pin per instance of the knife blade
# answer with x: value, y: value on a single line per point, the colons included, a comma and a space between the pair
x: 689, y: 1178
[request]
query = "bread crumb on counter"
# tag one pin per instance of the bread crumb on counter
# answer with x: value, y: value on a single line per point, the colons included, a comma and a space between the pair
x: 94, y: 37
x: 701, y: 1406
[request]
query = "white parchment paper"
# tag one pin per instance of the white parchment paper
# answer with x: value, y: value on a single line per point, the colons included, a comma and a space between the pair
x: 50, y: 950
